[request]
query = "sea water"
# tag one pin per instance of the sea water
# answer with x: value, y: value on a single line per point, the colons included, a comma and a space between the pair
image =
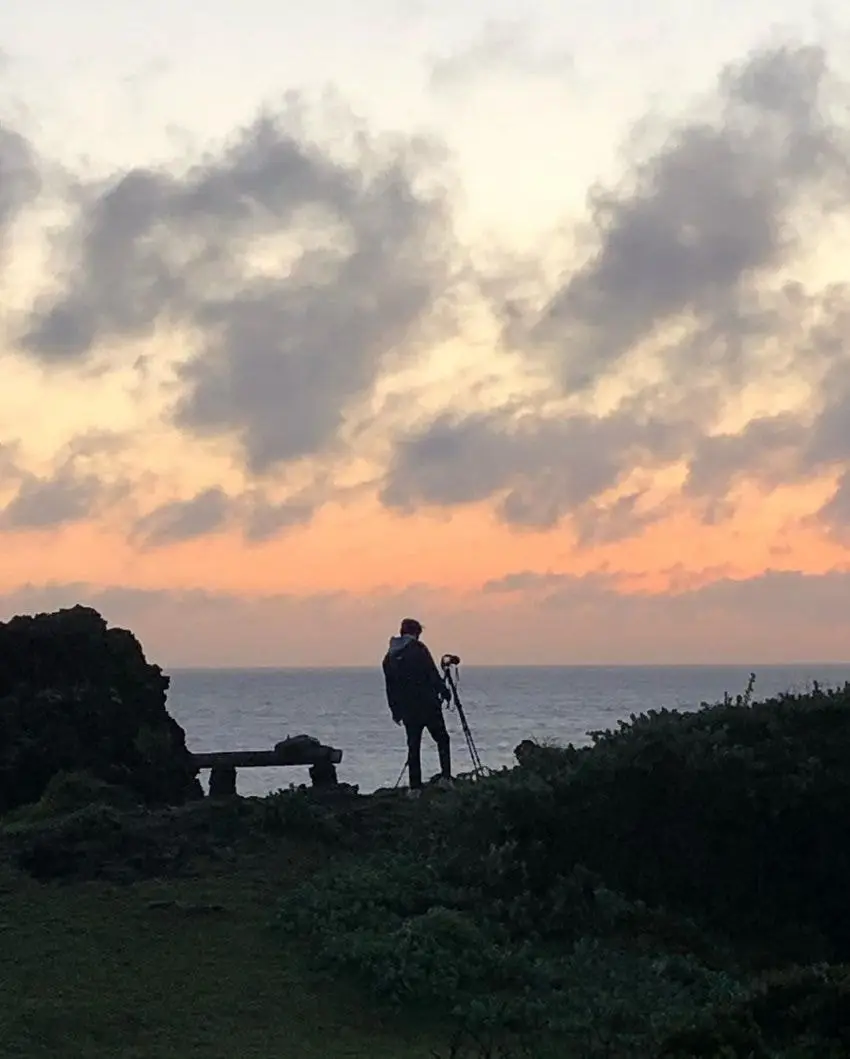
x: 252, y: 709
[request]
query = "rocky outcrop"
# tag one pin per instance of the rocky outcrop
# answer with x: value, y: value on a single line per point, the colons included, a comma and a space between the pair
x: 77, y: 696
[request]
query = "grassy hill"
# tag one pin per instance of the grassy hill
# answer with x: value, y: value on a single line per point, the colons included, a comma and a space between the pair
x: 676, y: 889
x: 168, y: 968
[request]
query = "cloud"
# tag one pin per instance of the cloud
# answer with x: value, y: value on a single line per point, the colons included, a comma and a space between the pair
x: 803, y: 595
x: 300, y: 264
x: 19, y: 179
x: 705, y: 618
x: 686, y: 296
x: 549, y: 618
x: 183, y: 520
x: 835, y: 513
x: 787, y: 597
x: 264, y: 519
x: 537, y: 470
x: 521, y: 581
x: 200, y: 627
x: 213, y: 510
x: 700, y: 223
x: 504, y: 48
x: 9, y: 462
x: 42, y: 503
x: 768, y: 447
x: 73, y: 491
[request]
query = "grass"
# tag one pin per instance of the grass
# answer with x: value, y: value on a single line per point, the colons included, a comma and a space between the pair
x: 176, y: 968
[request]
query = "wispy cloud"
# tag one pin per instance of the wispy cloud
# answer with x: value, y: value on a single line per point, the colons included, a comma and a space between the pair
x: 504, y: 48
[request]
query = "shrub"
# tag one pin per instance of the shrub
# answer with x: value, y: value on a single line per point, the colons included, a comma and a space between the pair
x: 795, y: 1013
x: 68, y: 791
x: 734, y: 813
x: 402, y: 926
x: 615, y: 899
x: 297, y: 811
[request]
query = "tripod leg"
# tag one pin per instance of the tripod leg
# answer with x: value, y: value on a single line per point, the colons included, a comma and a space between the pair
x: 403, y: 770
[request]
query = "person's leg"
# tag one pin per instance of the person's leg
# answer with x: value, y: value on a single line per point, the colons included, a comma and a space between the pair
x: 414, y: 752
x: 439, y: 733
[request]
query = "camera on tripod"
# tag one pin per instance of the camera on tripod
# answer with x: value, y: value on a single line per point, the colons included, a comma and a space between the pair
x: 447, y: 663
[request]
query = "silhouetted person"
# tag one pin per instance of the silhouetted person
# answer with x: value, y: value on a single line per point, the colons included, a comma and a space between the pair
x: 415, y: 694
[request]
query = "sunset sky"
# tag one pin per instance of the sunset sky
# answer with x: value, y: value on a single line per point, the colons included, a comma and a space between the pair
x: 529, y: 320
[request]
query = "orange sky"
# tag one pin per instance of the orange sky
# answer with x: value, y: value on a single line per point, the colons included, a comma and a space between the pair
x: 360, y: 548
x: 356, y: 570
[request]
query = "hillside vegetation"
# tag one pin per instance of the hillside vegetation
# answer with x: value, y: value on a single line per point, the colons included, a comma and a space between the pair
x: 675, y: 889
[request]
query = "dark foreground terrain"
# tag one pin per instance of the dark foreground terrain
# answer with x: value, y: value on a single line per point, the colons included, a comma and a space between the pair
x: 176, y: 966
x: 676, y: 889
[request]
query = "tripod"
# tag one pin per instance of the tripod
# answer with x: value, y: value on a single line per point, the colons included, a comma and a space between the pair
x: 447, y: 664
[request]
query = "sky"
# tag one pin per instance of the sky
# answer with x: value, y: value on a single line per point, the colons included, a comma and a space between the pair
x: 529, y: 321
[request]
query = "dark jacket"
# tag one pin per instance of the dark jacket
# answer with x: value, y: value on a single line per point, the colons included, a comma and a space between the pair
x: 415, y: 687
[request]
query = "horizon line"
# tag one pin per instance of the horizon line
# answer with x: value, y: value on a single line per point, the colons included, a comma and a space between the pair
x: 754, y: 666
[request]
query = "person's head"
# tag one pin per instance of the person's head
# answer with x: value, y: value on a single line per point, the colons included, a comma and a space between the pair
x: 410, y: 627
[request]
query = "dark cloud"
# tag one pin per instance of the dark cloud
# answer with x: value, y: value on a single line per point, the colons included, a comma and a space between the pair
x: 835, y: 513
x: 19, y: 178
x: 183, y: 520
x: 596, y: 523
x: 702, y: 221
x: 88, y: 480
x: 828, y: 441
x: 263, y: 520
x: 356, y: 253
x: 43, y: 503
x: 75, y: 489
x: 791, y: 447
x: 213, y: 510
x: 694, y: 254
x: 537, y: 470
x: 768, y: 448
x: 9, y: 462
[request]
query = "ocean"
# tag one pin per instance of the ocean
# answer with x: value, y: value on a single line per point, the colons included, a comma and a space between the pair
x: 252, y: 709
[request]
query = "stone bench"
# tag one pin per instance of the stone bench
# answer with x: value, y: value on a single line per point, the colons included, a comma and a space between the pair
x: 298, y: 750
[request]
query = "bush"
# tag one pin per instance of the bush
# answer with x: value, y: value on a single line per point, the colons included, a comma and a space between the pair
x: 105, y: 840
x: 617, y: 899
x: 297, y: 811
x: 795, y: 1013
x: 67, y: 792
x: 736, y: 814
x: 85, y: 843
x: 402, y: 926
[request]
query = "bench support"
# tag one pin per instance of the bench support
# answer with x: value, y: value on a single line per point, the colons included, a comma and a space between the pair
x: 223, y: 781
x: 299, y: 751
